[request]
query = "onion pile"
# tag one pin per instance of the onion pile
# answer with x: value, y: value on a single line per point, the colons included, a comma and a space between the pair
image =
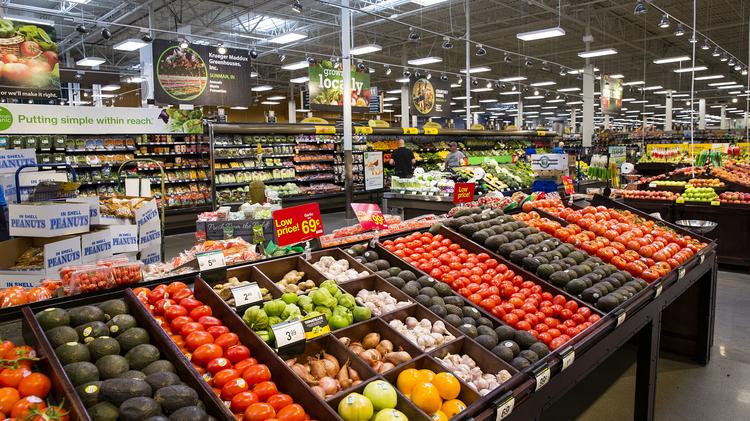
x: 377, y: 353
x: 323, y: 373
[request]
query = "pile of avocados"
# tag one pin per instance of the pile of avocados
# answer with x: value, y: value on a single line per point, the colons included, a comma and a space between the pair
x: 115, y: 370
x: 520, y: 349
x: 561, y: 264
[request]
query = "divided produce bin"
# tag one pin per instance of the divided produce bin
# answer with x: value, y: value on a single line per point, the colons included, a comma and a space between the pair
x: 376, y: 284
x: 404, y: 405
x: 358, y: 331
x: 274, y: 271
x: 420, y: 313
x: 337, y: 254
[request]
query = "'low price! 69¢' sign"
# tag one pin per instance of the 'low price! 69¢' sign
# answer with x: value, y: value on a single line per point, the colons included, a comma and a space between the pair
x: 463, y: 192
x: 297, y: 224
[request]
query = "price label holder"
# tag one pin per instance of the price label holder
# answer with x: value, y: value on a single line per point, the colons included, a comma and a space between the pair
x: 541, y: 375
x: 315, y: 326
x: 245, y: 296
x: 715, y: 203
x: 210, y: 260
x: 290, y: 337
x: 702, y: 257
x: 325, y: 130
x: 652, y: 185
x: 360, y: 130
x: 410, y: 130
x: 679, y: 200
x: 431, y: 130
x: 659, y: 288
x: 504, y: 405
x: 680, y: 273
x: 620, y: 314
x: 568, y: 356
x: 308, y: 250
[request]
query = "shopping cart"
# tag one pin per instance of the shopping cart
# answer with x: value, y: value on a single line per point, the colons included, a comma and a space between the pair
x: 48, y: 190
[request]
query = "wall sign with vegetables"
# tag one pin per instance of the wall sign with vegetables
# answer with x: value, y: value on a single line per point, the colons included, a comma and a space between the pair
x: 28, y: 61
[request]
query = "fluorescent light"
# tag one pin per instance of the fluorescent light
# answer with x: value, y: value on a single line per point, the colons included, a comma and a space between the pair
x: 459, y: 97
x: 427, y: 3
x: 297, y: 65
x: 680, y: 95
x: 261, y: 88
x: 479, y: 69
x: 616, y: 76
x: 568, y: 89
x: 301, y: 79
x: 424, y: 60
x: 288, y: 37
x: 510, y: 103
x: 664, y: 92
x: 597, y: 53
x: 532, y: 106
x: 276, y: 98
x: 722, y: 83
x: 390, y: 98
x: 553, y: 101
x: 550, y: 108
x: 110, y: 87
x: 270, y: 102
x: 365, y: 49
x: 548, y: 83
x: 403, y: 80
x: 387, y: 110
x: 481, y: 90
x: 512, y: 79
x: 640, y: 101
x: 253, y: 74
x: 487, y: 101
x: 691, y: 69
x: 238, y: 108
x: 90, y: 61
x: 653, y: 88
x: 474, y: 106
x: 575, y: 103
x: 104, y: 96
x: 637, y: 82
x: 547, y: 113
x: 709, y: 77
x: 534, y: 97
x: 393, y: 91
x: 455, y: 85
x: 671, y: 59
x: 130, y: 44
x: 511, y: 93
x: 729, y: 87
x: 541, y: 34
x: 628, y: 99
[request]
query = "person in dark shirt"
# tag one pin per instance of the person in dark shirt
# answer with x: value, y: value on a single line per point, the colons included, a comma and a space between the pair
x: 403, y: 159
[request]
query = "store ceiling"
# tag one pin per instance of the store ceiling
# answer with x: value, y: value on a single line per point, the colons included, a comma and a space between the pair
x: 494, y: 23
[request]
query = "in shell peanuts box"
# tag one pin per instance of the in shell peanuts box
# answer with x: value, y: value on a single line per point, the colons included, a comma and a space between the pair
x: 48, y: 219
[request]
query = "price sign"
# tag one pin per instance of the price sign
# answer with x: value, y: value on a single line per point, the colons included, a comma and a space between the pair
x: 431, y: 130
x: 463, y: 192
x: 568, y: 356
x: 325, y: 130
x: 541, y: 133
x: 679, y: 200
x: 715, y: 203
x: 410, y: 130
x: 542, y: 377
x: 680, y: 273
x: 652, y: 185
x: 505, y: 407
x: 246, y: 295
x: 568, y: 184
x: 369, y: 216
x: 288, y: 333
x: 620, y: 318
x: 703, y: 257
x: 659, y: 288
x: 362, y: 130
x: 315, y: 326
x: 210, y: 260
x: 297, y: 224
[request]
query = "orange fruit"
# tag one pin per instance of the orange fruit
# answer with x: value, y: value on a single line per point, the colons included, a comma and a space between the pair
x: 452, y: 407
x: 407, y: 379
x: 426, y: 397
x: 439, y: 416
x: 426, y: 375
x: 447, y: 384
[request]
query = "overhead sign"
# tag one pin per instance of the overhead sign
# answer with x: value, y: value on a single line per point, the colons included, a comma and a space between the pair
x: 200, y: 75
x: 369, y: 216
x: 44, y: 119
x: 463, y: 192
x: 430, y: 97
x: 30, y: 68
x: 549, y: 161
x: 611, y: 95
x: 373, y: 170
x: 326, y: 87
x: 297, y: 224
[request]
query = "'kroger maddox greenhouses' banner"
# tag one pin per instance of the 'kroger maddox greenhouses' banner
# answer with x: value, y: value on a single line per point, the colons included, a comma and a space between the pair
x: 327, y: 87
x: 200, y: 75
x: 54, y: 119
x: 28, y: 61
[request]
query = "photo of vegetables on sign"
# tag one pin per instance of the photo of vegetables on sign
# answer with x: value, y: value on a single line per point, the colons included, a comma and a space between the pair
x: 181, y: 73
x: 28, y: 61
x: 327, y: 87
x: 430, y: 97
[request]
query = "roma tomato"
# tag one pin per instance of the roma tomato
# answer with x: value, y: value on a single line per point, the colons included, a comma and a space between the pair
x: 233, y: 387
x: 265, y: 390
x: 200, y: 311
x: 225, y: 376
x: 256, y: 374
x: 227, y: 340
x: 293, y: 412
x: 242, y: 400
x: 237, y: 353
x: 176, y: 286
x: 181, y: 294
x: 279, y: 401
x: 217, y: 331
x: 208, y: 321
x: 190, y: 327
x: 198, y: 338
x: 11, y: 377
x: 174, y: 311
x: 259, y: 411
x: 218, y: 364
x: 190, y: 303
x: 205, y: 353
x: 244, y: 364
x: 8, y: 397
x: 178, y: 322
x: 36, y: 384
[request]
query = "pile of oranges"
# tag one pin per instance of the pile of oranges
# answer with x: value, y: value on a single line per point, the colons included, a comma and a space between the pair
x: 435, y: 394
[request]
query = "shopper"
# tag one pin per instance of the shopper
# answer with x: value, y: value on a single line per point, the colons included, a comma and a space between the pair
x: 455, y: 158
x: 559, y: 148
x: 403, y: 159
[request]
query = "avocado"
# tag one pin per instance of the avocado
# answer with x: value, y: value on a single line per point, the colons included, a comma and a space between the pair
x: 486, y: 341
x: 190, y: 413
x: 439, y: 310
x: 437, y: 301
x: 607, y: 303
x: 383, y: 273
x: 529, y: 355
x: 531, y: 263
x: 112, y: 308
x: 429, y: 291
x: 60, y: 335
x: 396, y: 281
x: 89, y: 393
x: 468, y: 330
x: 81, y: 372
x: 372, y: 267
x: 407, y: 275
x: 175, y: 397
x: 505, y: 353
x: 540, y: 349
x: 435, y: 228
x: 118, y: 391
x: 411, y: 288
x: 518, y: 256
x: 72, y: 352
x: 132, y: 337
x: 162, y: 379
x: 506, y: 249
x: 371, y: 256
x: 483, y: 321
x: 53, y: 317
x: 103, y: 345
x: 576, y: 286
x: 520, y: 363
x: 394, y: 271
x: 87, y: 332
x: 157, y: 418
x: 103, y: 411
x: 471, y: 312
x: 512, y: 346
x: 120, y: 323
x: 453, y: 300
x: 139, y: 408
x: 524, y: 339
x: 468, y: 229
x: 426, y: 281
x: 559, y: 278
x: 486, y: 330
x: 86, y: 314
x: 358, y: 249
x: 142, y: 355
x: 132, y: 374
x: 382, y: 264
x: 545, y: 271
x: 110, y: 366
x: 468, y: 321
x: 591, y: 295
x: 453, y: 319
x: 425, y: 300
x: 442, y: 289
x: 495, y: 241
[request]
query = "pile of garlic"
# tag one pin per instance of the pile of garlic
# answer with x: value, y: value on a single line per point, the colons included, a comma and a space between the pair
x: 466, y: 368
x: 338, y: 270
x: 379, y: 302
x: 425, y: 334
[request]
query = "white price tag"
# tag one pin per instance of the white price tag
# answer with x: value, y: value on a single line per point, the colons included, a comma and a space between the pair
x: 680, y: 273
x: 505, y: 408
x: 620, y: 319
x: 568, y: 359
x: 287, y: 333
x: 652, y: 185
x: 246, y: 295
x: 703, y: 257
x: 658, y: 290
x: 542, y: 378
x: 210, y: 260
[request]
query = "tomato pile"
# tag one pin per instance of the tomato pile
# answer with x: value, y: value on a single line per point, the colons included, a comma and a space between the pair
x: 215, y: 352
x: 630, y: 243
x: 483, y: 280
x: 18, y: 295
x: 23, y: 392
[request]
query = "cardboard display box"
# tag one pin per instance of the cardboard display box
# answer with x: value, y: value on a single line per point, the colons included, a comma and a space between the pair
x: 58, y: 252
x: 48, y: 219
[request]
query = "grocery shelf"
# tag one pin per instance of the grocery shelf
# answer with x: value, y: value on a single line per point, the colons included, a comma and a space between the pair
x: 170, y: 154
x: 197, y: 180
x: 314, y: 161
x: 247, y: 183
x: 98, y: 150
x: 248, y: 169
x: 171, y: 143
x: 253, y: 145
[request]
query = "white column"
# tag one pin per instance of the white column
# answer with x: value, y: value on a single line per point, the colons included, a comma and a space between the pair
x: 606, y: 121
x: 519, y: 116
x: 573, y: 120
x: 701, y: 114
x: 587, y: 129
x: 147, y: 74
x: 404, y: 106
x: 468, y: 67
x: 96, y: 94
x: 724, y: 120
x: 745, y: 120
x: 668, y: 114
x: 346, y: 44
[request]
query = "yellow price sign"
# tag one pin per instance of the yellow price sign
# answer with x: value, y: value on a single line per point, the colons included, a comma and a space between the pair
x: 680, y: 200
x: 325, y: 130
x: 362, y: 130
x: 309, y: 226
x: 715, y: 203
x: 541, y: 133
x: 431, y: 130
x: 410, y: 130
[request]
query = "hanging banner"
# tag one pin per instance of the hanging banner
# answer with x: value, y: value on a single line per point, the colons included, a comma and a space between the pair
x: 326, y: 87
x: 430, y: 97
x: 44, y: 119
x: 611, y: 95
x: 200, y: 75
x: 28, y: 59
x: 373, y: 170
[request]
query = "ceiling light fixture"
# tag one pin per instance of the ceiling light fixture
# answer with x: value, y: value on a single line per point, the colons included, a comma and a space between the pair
x: 664, y: 21
x: 541, y: 34
x: 640, y: 8
x: 406, y: 73
x: 569, y: 90
x: 387, y: 70
x: 90, y: 61
x: 110, y: 87
x: 425, y: 60
x: 528, y: 62
x: 548, y: 83
x: 724, y: 57
x: 507, y: 58
x: 413, y: 35
x: 597, y: 53
x: 459, y: 80
x: 130, y: 44
x: 443, y: 77
x: 297, y: 6
x: 429, y: 76
x: 403, y: 80
x: 365, y: 49
x: 680, y: 31
x: 288, y: 37
x: 545, y: 66
x: 709, y: 77
x: 475, y: 82
x: 261, y: 88
x: 297, y: 65
x: 301, y: 79
x: 106, y: 34
x: 731, y: 62
x: 737, y: 67
x: 480, y: 51
x: 668, y: 60
x: 562, y: 71
x: 254, y: 53
x: 479, y: 69
x: 81, y: 29
x: 184, y: 44
x: 447, y: 44
x: 705, y: 45
x: 690, y: 69
x: 716, y: 52
x: 536, y: 92
x: 221, y: 49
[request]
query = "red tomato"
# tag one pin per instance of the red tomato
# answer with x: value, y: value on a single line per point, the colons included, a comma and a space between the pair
x: 572, y: 306
x: 256, y: 374
x: 178, y: 322
x: 259, y: 411
x: 293, y: 412
x: 225, y: 376
x: 237, y: 353
x: 161, y: 304
x: 265, y: 390
x: 280, y: 400
x: 208, y: 321
x: 198, y: 338
x: 242, y: 400
x: 217, y: 331
x: 158, y: 293
x: 189, y: 327
x: 227, y: 340
x: 181, y: 294
x: 190, y: 303
x: 11, y: 377
x: 233, y: 387
x: 244, y: 364
x: 218, y: 364
x: 36, y: 384
x: 200, y: 311
x: 173, y: 311
x: 176, y: 286
x: 523, y: 325
x: 23, y: 408
x: 205, y: 353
